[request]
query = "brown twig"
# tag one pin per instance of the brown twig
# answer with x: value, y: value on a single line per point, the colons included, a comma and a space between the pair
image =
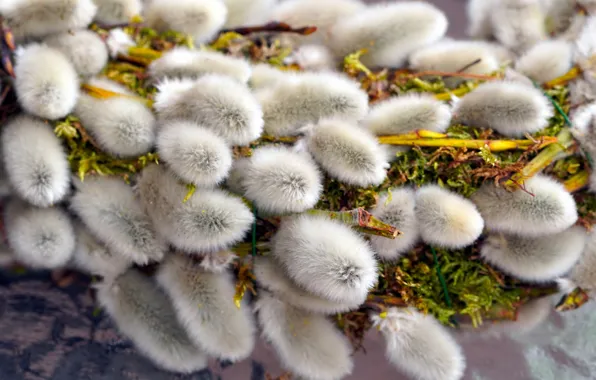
x: 274, y: 27
x: 454, y: 74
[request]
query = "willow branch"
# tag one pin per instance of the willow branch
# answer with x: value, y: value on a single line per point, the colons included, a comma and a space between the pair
x: 492, y: 145
x: 362, y: 220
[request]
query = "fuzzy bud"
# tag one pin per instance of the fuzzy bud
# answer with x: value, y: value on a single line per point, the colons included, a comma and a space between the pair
x: 546, y: 60
x: 479, y: 22
x: 264, y: 75
x: 94, y: 258
x: 84, y: 49
x: 583, y: 273
x: 114, y: 12
x: 518, y: 24
x: 248, y: 12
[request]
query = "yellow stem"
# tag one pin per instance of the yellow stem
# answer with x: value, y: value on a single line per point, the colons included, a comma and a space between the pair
x: 578, y: 181
x: 145, y: 53
x: 457, y: 92
x: 421, y: 133
x: 102, y: 93
x: 571, y: 74
x: 492, y: 145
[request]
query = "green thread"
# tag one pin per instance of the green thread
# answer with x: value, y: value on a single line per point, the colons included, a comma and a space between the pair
x: 441, y: 278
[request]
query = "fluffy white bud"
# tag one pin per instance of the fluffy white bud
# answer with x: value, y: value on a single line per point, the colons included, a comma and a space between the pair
x: 199, y: 18
x: 583, y: 273
x: 119, y: 42
x: 204, y: 304
x: 544, y: 208
x: 397, y: 209
x: 419, y: 345
x: 479, y: 22
x: 510, y: 108
x: 281, y: 181
x: 209, y: 221
x: 92, y: 257
x: 195, y: 154
x: 41, y: 238
x: 39, y: 18
x: 264, y: 75
x: 214, y: 101
x: 535, y: 259
x: 248, y: 12
x: 217, y: 262
x: 46, y: 82
x: 144, y: 314
x: 407, y: 113
x: 348, y: 152
x: 84, y: 49
x: 122, y: 126
x: 35, y: 161
x: 307, y: 344
x: 306, y: 98
x: 313, y: 58
x: 270, y: 275
x: 389, y: 32
x: 181, y: 62
x: 107, y: 205
x: 546, y: 60
x: 114, y: 12
x: 518, y: 24
x: 446, y: 218
x: 326, y: 258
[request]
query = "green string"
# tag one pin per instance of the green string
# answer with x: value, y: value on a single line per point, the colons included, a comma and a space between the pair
x: 254, y: 231
x: 441, y: 278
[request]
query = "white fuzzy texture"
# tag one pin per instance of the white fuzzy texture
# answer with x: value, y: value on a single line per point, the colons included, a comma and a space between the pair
x: 307, y: 344
x: 397, y: 209
x: 199, y: 18
x: 214, y: 101
x: 326, y: 258
x: 321, y: 14
x: 248, y: 12
x: 195, y: 154
x: 46, y: 82
x: 314, y: 58
x: 447, y: 219
x: 119, y: 42
x: 236, y: 176
x: 35, y: 161
x: 114, y: 12
x: 583, y: 273
x: 270, y: 275
x: 301, y: 99
x: 408, y: 113
x: 204, y: 304
x: 264, y: 75
x: 181, y: 62
x: 390, y: 32
x: 94, y: 258
x: 41, y: 238
x: 419, y: 345
x: 217, y: 262
x: 84, y: 49
x: 121, y: 125
x: 535, y: 259
x: 518, y: 24
x: 347, y: 152
x: 510, y: 108
x: 39, y: 18
x: 454, y: 56
x: 281, y: 181
x: 210, y: 220
x: 144, y: 314
x: 559, y: 14
x: 546, y: 60
x: 544, y: 208
x: 107, y: 205
x: 479, y: 22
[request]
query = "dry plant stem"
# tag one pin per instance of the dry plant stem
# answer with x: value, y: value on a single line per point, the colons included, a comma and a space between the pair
x: 457, y: 92
x: 577, y: 182
x: 458, y: 74
x: 272, y: 27
x: 492, y: 145
x: 146, y: 53
x: 570, y: 75
x: 100, y: 93
x: 362, y: 220
x: 552, y: 153
x: 573, y: 300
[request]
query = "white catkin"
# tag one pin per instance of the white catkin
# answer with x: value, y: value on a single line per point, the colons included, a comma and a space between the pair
x: 248, y: 12
x: 204, y: 304
x: 313, y: 58
x: 199, y: 18
x: 123, y: 126
x: 479, y: 21
x: 35, y: 161
x: 84, y: 49
x: 510, y: 108
x: 408, y: 113
x: 419, y: 345
x: 193, y: 153
x: 447, y: 219
x: 210, y: 220
x: 545, y: 61
x: 264, y: 75
x: 583, y: 273
x: 326, y: 258
x: 46, y: 82
x: 270, y: 275
x: 217, y: 262
x: 281, y: 181
x: 144, y: 314
x: 39, y: 18
x: 518, y: 24
x: 214, y: 101
x: 114, y: 12
x: 389, y: 32
x: 118, y: 42
x: 535, y: 259
x: 559, y: 14
x: 544, y: 208
x: 234, y: 182
x: 41, y: 238
x: 307, y: 344
x: 396, y: 208
x: 108, y: 207
x: 347, y: 152
x: 181, y: 62
x: 298, y: 100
